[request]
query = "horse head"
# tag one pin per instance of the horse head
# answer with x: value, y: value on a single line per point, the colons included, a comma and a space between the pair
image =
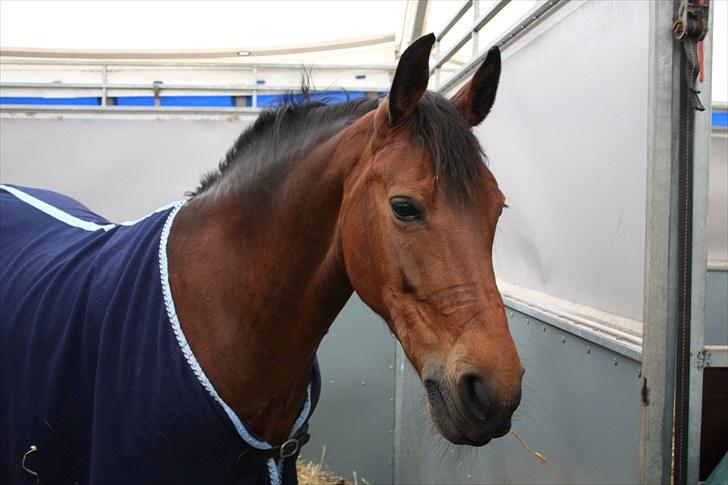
x: 417, y: 224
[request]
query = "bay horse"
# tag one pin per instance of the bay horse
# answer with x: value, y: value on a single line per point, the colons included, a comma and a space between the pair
x: 181, y: 348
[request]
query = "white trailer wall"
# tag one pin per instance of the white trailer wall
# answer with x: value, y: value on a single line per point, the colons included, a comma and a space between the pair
x: 567, y: 141
x: 119, y: 168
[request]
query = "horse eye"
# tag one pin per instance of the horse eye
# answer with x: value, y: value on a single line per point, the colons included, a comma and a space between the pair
x: 405, y: 209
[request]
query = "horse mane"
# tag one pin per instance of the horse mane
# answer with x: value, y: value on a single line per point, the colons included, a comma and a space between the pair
x: 299, y: 123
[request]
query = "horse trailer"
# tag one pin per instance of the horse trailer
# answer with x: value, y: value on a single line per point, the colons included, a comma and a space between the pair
x: 611, y: 258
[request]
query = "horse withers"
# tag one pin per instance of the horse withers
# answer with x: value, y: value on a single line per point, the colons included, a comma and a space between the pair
x: 181, y: 347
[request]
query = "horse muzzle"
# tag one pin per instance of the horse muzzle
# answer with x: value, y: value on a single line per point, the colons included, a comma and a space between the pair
x: 470, y: 409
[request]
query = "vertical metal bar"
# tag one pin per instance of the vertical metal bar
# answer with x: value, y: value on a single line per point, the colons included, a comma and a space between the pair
x: 156, y: 90
x: 437, y: 60
x: 701, y: 161
x: 255, y: 89
x: 475, y: 33
x: 658, y: 352
x: 104, y: 83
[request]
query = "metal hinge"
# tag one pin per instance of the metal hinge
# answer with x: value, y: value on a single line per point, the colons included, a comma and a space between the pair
x: 702, y: 360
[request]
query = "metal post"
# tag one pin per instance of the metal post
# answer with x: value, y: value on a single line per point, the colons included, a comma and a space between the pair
x: 104, y: 82
x: 475, y: 32
x: 156, y: 88
x: 658, y: 349
x: 701, y: 162
x: 437, y: 61
x: 255, y: 89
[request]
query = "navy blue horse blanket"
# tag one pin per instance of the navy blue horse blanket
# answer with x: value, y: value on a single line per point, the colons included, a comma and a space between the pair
x: 95, y: 371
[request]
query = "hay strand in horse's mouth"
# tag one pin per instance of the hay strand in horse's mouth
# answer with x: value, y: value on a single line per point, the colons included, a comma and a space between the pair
x: 535, y: 453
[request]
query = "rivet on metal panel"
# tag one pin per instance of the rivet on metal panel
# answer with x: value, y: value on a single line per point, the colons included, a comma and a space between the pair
x: 363, y: 383
x: 390, y: 431
x: 460, y: 464
x: 543, y: 329
x: 391, y: 399
x: 391, y: 367
x: 615, y: 362
x: 563, y: 339
x: 470, y: 477
x: 331, y: 381
x: 588, y: 349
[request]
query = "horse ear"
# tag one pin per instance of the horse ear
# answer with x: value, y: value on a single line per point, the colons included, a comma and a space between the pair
x: 410, y: 79
x: 475, y: 99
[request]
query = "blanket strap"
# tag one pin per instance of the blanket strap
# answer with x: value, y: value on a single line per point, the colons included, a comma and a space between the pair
x: 254, y: 459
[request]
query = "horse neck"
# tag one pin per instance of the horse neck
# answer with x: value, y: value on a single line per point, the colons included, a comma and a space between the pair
x: 258, y: 277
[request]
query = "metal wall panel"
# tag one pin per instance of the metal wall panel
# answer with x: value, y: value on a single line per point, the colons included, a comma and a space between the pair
x: 718, y: 197
x: 716, y: 308
x: 567, y: 142
x: 355, y: 418
x: 580, y: 410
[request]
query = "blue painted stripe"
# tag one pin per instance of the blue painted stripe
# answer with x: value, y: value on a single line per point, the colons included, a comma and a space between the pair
x: 264, y: 100
x: 84, y: 101
x: 224, y: 101
x: 328, y: 97
x: 720, y: 118
x: 228, y: 101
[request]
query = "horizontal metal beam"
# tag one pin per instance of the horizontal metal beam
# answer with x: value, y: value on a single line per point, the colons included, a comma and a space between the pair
x: 242, y: 88
x: 28, y: 52
x: 715, y: 356
x: 242, y: 65
x: 619, y: 342
x: 126, y: 110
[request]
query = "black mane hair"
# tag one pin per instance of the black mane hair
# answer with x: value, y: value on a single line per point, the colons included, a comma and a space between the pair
x: 299, y: 123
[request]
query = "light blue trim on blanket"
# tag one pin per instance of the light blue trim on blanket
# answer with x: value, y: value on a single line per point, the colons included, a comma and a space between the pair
x: 73, y: 221
x: 55, y: 212
x: 274, y: 468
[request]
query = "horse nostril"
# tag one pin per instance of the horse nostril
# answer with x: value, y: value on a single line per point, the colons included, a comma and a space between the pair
x: 475, y: 394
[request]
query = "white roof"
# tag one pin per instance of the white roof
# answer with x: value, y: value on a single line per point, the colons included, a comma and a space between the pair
x: 183, y: 25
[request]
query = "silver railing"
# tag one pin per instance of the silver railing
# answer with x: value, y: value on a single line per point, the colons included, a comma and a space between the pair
x: 251, y: 89
x: 479, y: 21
